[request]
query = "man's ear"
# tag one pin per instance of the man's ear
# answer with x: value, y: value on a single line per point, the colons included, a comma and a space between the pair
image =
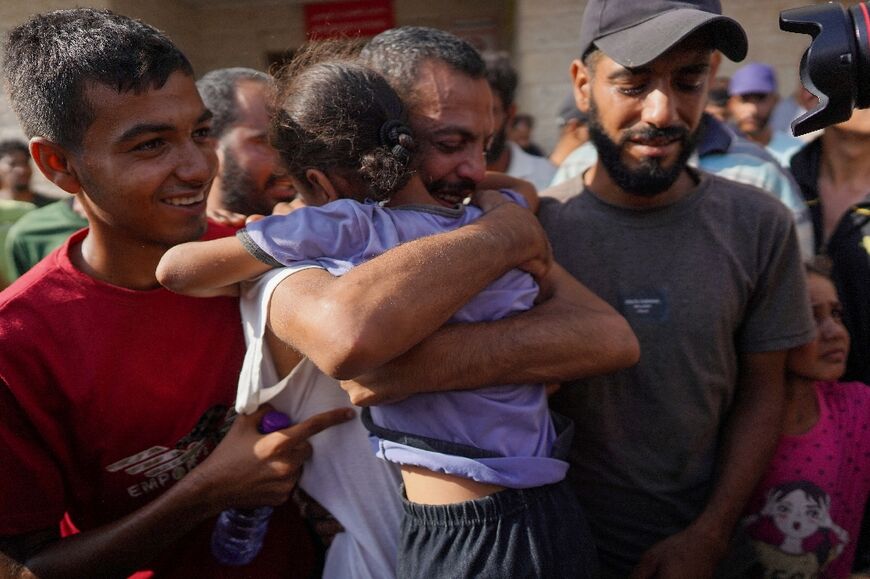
x: 54, y: 162
x: 320, y: 185
x: 582, y: 82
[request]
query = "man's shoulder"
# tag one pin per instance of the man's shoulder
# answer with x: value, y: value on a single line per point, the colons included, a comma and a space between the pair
x: 577, y: 162
x: 744, y: 197
x: 563, y: 191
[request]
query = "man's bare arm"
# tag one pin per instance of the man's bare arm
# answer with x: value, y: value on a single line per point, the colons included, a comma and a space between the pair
x: 352, y: 324
x: 246, y: 470
x: 752, y: 432
x: 572, y: 335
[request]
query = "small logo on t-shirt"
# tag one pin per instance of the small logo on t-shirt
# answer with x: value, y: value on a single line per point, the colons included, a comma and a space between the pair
x: 645, y: 305
x: 159, y: 466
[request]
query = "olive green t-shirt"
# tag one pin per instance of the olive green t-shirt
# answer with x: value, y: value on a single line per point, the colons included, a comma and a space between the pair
x: 35, y: 235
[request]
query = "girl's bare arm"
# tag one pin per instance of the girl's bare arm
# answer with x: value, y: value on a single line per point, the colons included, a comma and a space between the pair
x: 208, y: 268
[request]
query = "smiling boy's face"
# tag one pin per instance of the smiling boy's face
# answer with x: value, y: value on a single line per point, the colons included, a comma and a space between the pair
x: 146, y: 162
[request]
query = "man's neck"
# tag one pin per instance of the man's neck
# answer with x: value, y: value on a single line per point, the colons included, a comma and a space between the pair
x: 846, y: 160
x: 117, y: 261
x: 598, y: 180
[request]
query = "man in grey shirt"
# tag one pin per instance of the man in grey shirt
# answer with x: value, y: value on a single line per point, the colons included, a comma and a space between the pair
x: 706, y: 271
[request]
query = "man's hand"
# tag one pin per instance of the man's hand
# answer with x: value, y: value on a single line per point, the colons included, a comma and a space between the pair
x: 489, y: 199
x: 690, y: 554
x: 362, y: 392
x: 280, y: 208
x: 521, y: 225
x: 285, y: 207
x: 249, y: 469
x: 226, y: 217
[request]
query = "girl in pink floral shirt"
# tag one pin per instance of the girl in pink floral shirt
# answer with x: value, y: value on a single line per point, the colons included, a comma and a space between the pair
x: 805, y: 515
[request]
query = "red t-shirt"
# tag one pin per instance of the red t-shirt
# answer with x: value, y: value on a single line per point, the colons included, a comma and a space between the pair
x: 110, y: 395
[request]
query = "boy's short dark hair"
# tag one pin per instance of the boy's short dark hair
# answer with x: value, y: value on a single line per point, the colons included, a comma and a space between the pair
x: 49, y: 60
x: 502, y: 77
x: 398, y: 52
x: 13, y: 146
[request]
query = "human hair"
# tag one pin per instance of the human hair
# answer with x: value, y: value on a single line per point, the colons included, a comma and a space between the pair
x: 340, y: 49
x: 820, y: 265
x: 502, y: 77
x: 398, y: 53
x: 591, y: 58
x: 50, y: 60
x: 344, y: 118
x: 218, y: 91
x: 9, y: 146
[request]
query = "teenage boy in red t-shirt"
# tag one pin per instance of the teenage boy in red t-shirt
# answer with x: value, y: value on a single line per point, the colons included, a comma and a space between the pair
x: 115, y: 394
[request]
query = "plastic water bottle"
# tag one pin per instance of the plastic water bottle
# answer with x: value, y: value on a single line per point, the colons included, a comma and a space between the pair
x: 239, y: 533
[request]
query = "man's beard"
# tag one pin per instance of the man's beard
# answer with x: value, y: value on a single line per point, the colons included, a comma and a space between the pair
x: 651, y: 177
x: 240, y: 191
x: 497, y: 144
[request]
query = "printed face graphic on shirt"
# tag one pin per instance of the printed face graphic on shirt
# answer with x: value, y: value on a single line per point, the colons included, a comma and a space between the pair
x: 797, y: 515
x: 793, y: 534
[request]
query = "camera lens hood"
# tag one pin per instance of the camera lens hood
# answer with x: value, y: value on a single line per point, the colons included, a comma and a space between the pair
x: 836, y: 66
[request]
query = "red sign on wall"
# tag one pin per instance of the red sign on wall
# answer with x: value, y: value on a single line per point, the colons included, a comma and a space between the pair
x: 362, y: 18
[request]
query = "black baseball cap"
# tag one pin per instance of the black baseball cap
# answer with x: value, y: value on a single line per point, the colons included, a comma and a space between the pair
x: 636, y: 32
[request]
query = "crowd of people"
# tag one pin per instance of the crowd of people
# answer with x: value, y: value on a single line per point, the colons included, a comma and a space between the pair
x: 642, y: 356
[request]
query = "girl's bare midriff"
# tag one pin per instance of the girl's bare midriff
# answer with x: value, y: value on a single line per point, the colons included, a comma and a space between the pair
x: 435, y: 488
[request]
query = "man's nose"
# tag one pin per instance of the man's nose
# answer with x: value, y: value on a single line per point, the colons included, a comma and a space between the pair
x: 197, y: 164
x: 473, y: 167
x: 659, y: 108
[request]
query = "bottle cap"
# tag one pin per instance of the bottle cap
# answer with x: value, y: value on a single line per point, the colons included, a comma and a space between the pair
x: 273, y: 421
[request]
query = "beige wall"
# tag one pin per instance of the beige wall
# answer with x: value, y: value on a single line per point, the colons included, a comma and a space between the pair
x: 542, y: 35
x: 220, y: 33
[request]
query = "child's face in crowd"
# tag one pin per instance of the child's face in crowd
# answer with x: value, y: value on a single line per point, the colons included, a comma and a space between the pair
x: 825, y: 357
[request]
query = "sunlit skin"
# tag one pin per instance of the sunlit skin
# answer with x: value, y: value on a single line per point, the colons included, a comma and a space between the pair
x: 751, y: 113
x: 247, y: 143
x: 669, y: 92
x: 451, y: 117
x: 142, y: 172
x: 844, y: 170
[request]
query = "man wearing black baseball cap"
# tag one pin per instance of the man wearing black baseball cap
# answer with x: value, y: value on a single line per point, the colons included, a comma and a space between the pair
x: 707, y: 272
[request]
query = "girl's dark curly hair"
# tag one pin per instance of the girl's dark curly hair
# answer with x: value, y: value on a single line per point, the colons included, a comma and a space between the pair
x: 343, y: 118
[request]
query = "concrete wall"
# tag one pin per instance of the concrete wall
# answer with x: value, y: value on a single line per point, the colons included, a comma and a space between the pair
x: 541, y: 34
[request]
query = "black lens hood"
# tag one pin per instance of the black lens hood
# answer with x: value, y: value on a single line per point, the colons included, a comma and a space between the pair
x: 828, y: 66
